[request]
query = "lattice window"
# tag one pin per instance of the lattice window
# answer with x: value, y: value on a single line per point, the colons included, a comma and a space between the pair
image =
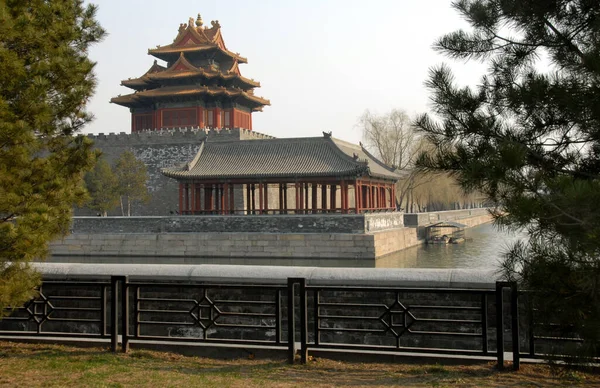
x: 142, y: 121
x: 179, y: 118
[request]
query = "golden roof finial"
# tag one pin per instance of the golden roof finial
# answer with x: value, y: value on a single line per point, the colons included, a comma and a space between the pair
x: 199, y: 21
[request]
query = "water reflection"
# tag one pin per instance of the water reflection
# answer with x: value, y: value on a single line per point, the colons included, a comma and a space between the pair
x: 483, y: 249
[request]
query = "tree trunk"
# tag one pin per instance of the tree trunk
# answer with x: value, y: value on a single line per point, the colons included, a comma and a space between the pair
x: 121, y: 201
x: 128, y: 207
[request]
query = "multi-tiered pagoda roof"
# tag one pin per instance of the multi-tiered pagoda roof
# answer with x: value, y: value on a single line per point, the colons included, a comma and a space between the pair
x: 200, y: 84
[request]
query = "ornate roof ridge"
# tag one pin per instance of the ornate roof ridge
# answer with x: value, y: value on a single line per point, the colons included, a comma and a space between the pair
x: 187, y: 90
x: 278, y: 139
x: 200, y: 38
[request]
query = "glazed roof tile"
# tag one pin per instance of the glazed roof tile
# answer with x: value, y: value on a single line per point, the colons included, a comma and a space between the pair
x: 281, y: 158
x: 191, y: 49
x: 182, y: 68
x: 184, y: 90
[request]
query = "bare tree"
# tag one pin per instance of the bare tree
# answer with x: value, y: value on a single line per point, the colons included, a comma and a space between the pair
x: 392, y: 138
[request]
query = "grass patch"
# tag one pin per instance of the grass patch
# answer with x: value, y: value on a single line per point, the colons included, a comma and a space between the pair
x: 31, y: 365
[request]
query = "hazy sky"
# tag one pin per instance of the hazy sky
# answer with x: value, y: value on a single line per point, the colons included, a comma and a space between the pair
x: 321, y: 63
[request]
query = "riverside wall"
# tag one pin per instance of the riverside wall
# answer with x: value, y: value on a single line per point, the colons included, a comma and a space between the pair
x: 184, y: 239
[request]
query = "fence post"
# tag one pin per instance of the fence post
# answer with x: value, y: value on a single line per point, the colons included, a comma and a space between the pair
x: 303, y: 322
x: 291, y: 321
x: 104, y: 309
x: 125, y: 314
x: 114, y: 321
x: 114, y: 313
x: 514, y: 306
x: 500, y: 324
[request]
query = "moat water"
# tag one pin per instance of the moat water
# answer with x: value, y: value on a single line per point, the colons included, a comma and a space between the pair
x: 484, y: 248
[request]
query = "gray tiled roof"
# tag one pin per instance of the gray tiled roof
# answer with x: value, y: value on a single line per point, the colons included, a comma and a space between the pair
x: 281, y: 158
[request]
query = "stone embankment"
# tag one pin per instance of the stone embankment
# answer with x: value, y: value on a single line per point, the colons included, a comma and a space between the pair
x: 179, y: 239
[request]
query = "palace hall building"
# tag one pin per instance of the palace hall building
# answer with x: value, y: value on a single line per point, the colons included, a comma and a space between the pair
x: 284, y: 176
x: 200, y: 87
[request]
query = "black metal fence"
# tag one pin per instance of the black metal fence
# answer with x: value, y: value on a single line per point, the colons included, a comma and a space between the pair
x: 295, y: 317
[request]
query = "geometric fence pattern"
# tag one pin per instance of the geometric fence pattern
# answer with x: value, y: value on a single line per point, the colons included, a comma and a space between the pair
x: 453, y: 321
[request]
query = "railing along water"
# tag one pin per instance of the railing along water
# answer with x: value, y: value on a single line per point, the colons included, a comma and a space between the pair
x: 462, y: 322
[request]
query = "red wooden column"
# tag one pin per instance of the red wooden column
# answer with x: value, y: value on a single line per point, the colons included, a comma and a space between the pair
x: 193, y: 198
x: 231, y: 199
x: 197, y: 198
x: 248, y: 207
x: 323, y: 198
x: 306, y: 199
x: 344, y: 197
x: 372, y: 192
x: 297, y: 205
x: 333, y: 198
x: 357, y: 196
x: 301, y: 204
x: 225, y: 198
x: 314, y: 198
x: 266, y: 198
x: 199, y: 117
x: 180, y: 198
x: 253, y: 198
x: 280, y: 193
x: 186, y: 197
x: 285, y: 199
x: 260, y: 198
x: 217, y: 118
x: 208, y: 198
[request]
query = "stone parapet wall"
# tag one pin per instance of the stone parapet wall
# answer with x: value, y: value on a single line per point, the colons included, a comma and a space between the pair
x: 468, y: 217
x: 421, y: 219
x: 249, y: 274
x: 173, y: 135
x: 310, y: 223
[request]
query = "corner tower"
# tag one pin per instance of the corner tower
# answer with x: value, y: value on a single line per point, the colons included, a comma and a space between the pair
x: 200, y: 85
